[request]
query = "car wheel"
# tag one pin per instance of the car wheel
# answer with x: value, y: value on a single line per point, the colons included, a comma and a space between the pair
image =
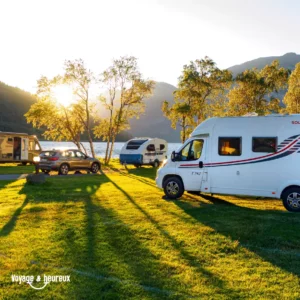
x: 95, y: 168
x: 291, y: 199
x: 156, y: 164
x: 63, y: 169
x: 173, y: 188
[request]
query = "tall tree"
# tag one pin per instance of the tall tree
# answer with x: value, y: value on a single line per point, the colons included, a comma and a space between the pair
x: 81, y: 79
x: 60, y: 122
x: 121, y: 78
x: 200, y: 83
x: 292, y: 97
x: 254, y: 87
x: 180, y: 114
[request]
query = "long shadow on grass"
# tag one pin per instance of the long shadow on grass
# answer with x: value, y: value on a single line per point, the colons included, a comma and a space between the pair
x: 191, y: 260
x: 10, y: 225
x: 270, y: 234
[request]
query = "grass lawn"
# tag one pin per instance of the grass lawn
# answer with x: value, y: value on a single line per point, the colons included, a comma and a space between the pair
x: 118, y: 239
x: 13, y: 168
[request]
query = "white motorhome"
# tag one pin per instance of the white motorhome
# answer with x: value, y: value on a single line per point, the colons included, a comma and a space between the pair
x: 18, y: 147
x: 254, y: 156
x: 144, y: 151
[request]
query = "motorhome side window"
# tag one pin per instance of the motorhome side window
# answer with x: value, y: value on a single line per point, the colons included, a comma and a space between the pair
x: 264, y: 144
x: 230, y: 146
x: 192, y: 151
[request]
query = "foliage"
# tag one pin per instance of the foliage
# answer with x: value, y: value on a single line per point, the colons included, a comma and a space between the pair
x: 80, y: 78
x: 292, y: 97
x: 180, y: 114
x: 61, y: 122
x: 200, y: 84
x: 123, y: 77
x: 253, y: 87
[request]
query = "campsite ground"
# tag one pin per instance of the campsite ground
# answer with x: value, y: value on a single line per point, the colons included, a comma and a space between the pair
x: 118, y: 238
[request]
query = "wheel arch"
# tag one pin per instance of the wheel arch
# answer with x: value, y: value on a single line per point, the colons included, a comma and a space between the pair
x: 288, y: 187
x: 172, y: 175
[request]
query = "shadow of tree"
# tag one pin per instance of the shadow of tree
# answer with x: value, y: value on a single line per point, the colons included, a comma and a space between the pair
x: 191, y: 260
x: 269, y: 234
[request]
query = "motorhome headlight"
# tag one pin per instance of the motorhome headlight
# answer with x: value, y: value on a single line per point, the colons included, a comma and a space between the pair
x: 164, y: 162
x: 36, y: 159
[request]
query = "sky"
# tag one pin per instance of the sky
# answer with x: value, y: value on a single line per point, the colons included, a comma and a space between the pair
x: 38, y: 36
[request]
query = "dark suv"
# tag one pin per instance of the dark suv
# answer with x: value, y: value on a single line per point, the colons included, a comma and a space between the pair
x: 64, y: 161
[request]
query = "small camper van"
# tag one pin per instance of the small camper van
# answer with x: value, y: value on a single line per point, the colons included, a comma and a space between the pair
x: 254, y: 156
x: 144, y: 151
x: 18, y: 147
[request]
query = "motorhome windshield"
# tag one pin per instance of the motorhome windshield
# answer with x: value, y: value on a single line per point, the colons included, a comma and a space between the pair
x: 135, y: 144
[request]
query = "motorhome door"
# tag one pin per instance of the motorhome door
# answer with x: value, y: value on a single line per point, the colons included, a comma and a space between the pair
x: 24, y: 149
x: 190, y: 164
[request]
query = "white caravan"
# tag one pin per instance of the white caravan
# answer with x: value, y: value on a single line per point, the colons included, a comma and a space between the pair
x: 18, y: 147
x: 254, y: 156
x: 144, y: 151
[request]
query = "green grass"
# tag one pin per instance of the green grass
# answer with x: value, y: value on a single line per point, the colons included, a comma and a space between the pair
x: 12, y: 168
x: 118, y: 239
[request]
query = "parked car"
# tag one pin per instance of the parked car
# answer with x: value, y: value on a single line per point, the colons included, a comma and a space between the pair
x: 66, y: 160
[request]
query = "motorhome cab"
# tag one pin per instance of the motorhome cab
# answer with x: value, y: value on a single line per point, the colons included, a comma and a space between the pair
x: 18, y: 147
x: 255, y: 156
x: 144, y: 151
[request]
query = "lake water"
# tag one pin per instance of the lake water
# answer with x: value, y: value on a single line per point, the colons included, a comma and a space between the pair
x: 98, y: 146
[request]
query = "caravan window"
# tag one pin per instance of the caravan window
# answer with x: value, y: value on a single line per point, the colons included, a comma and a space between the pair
x: 230, y: 146
x: 264, y: 144
x: 151, y: 147
x: 162, y: 147
x: 135, y: 144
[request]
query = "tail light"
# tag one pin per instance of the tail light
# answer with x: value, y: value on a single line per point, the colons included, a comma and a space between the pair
x: 53, y: 158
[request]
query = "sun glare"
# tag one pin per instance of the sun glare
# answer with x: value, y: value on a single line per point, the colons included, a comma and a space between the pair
x: 63, y: 94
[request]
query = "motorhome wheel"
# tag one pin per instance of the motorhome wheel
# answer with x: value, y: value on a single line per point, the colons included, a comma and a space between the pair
x: 173, y: 188
x: 291, y: 199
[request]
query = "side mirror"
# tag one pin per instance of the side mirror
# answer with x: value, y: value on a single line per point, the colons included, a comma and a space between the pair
x: 200, y: 164
x: 173, y: 156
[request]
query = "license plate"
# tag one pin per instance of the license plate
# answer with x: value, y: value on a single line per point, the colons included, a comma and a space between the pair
x: 43, y: 159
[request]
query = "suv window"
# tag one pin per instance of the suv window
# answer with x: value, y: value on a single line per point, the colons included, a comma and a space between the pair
x: 264, y: 144
x: 48, y: 153
x: 230, y: 146
x: 79, y: 154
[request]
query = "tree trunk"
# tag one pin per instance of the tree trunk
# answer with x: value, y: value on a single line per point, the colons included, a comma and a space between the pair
x: 111, y: 149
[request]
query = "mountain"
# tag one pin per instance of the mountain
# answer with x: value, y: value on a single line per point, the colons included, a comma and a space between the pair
x: 287, y: 61
x: 153, y: 123
x: 14, y: 103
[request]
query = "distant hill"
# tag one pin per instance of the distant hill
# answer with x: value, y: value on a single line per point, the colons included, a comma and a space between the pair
x: 153, y: 123
x: 14, y: 103
x: 288, y: 61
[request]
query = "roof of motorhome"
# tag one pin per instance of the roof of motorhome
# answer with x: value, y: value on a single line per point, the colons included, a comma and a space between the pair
x: 207, y: 126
